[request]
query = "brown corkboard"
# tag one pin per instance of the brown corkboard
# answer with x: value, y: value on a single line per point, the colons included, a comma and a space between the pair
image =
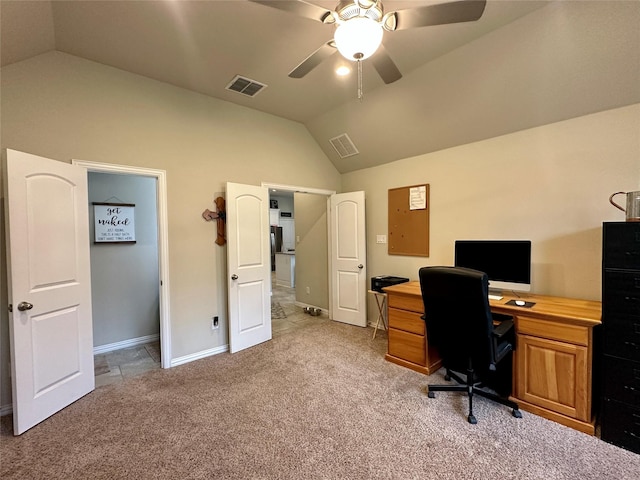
x: 409, y: 221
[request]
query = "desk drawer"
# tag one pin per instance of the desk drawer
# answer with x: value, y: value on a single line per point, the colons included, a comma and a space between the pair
x: 553, y: 330
x: 406, y: 302
x: 407, y: 321
x: 408, y: 346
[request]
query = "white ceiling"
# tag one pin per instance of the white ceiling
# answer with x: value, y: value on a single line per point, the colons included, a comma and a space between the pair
x: 202, y: 45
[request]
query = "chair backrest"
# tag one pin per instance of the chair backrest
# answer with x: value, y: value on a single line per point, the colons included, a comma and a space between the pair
x: 458, y: 316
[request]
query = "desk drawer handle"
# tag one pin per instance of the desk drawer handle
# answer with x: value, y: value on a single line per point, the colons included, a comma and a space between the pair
x: 631, y: 344
x: 632, y: 434
x: 633, y: 389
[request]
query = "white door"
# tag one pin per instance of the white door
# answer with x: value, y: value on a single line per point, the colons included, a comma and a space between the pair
x: 348, y: 259
x: 248, y: 266
x: 49, y: 286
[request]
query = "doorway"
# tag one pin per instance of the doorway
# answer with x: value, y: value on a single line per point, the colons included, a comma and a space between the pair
x: 158, y: 178
x: 124, y: 275
x: 249, y: 268
x: 302, y: 214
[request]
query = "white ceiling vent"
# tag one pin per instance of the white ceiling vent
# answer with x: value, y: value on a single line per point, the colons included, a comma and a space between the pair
x: 344, y: 146
x: 245, y: 86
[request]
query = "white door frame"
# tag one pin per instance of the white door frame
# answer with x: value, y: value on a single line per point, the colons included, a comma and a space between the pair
x: 316, y: 191
x: 163, y: 242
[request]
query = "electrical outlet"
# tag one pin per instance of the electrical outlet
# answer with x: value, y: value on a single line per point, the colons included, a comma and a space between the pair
x: 308, y: 290
x: 214, y: 323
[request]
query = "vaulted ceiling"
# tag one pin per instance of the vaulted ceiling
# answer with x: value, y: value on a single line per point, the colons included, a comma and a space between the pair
x: 202, y: 45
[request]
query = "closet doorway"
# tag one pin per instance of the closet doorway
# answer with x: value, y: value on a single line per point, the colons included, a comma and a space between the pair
x: 129, y: 288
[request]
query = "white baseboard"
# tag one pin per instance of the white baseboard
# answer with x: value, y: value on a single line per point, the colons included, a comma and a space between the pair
x: 132, y: 342
x: 6, y: 410
x: 199, y: 355
x: 303, y: 305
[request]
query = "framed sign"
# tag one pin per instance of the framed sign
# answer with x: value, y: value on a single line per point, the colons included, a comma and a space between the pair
x: 114, y: 222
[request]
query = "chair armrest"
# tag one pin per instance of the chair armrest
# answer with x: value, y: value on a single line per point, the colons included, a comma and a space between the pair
x: 503, y: 328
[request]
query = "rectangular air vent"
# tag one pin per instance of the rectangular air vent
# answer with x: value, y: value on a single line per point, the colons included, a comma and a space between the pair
x: 245, y: 86
x: 344, y: 146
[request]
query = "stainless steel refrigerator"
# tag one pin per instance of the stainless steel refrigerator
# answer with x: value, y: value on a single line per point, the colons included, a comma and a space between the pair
x: 276, y: 244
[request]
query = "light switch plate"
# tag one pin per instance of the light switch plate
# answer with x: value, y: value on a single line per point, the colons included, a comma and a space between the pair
x: 381, y: 239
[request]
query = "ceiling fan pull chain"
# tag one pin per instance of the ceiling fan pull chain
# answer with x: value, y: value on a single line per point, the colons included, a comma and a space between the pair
x: 360, y: 93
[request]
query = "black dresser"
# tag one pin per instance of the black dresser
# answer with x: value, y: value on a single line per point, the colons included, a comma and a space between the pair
x: 620, y: 404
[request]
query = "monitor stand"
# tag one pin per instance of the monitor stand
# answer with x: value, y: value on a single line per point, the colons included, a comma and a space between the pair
x: 495, y: 294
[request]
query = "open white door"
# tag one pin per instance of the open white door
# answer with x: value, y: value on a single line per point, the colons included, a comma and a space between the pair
x: 248, y: 266
x: 348, y: 259
x: 47, y: 220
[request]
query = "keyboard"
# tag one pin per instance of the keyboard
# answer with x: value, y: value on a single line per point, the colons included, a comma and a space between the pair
x: 495, y: 297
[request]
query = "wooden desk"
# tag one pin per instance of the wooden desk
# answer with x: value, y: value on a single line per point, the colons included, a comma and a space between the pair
x: 552, y: 374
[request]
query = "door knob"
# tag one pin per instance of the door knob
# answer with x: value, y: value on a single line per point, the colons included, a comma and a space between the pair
x: 360, y: 266
x: 22, y: 306
x: 234, y: 277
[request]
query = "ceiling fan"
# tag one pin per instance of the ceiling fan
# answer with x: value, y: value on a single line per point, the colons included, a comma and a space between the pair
x: 360, y: 25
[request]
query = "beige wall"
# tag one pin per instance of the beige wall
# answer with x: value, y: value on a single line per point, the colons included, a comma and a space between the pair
x: 312, y: 250
x: 64, y: 108
x: 124, y: 277
x: 549, y: 184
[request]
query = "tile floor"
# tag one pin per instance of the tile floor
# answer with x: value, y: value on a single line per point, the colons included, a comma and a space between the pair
x: 295, y: 316
x: 113, y: 367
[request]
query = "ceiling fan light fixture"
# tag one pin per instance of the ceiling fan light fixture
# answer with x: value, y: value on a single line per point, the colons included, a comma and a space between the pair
x: 358, y: 38
x: 343, y: 70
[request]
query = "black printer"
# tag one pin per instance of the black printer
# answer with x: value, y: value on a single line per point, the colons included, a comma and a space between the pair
x: 378, y: 283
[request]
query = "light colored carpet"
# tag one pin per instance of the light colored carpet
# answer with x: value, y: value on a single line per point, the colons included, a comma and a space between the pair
x: 321, y: 403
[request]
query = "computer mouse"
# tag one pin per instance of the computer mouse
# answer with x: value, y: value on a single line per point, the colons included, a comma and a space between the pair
x: 520, y: 303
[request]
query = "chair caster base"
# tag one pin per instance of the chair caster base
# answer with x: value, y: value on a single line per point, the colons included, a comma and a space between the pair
x: 431, y: 395
x: 447, y: 378
x: 516, y: 413
x: 472, y: 419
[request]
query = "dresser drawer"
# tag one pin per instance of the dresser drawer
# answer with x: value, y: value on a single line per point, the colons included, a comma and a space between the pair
x: 621, y: 293
x: 407, y: 321
x: 621, y: 242
x: 621, y: 380
x: 622, y: 337
x: 408, y: 346
x: 620, y: 425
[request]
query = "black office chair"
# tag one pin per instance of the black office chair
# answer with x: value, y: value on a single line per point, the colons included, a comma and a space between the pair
x: 461, y: 326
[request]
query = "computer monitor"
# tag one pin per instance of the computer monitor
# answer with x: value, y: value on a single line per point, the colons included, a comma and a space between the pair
x: 507, y: 263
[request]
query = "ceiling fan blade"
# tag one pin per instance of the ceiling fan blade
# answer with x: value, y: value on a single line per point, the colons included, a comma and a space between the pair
x: 298, y: 7
x: 313, y: 60
x: 385, y: 67
x: 440, y: 14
